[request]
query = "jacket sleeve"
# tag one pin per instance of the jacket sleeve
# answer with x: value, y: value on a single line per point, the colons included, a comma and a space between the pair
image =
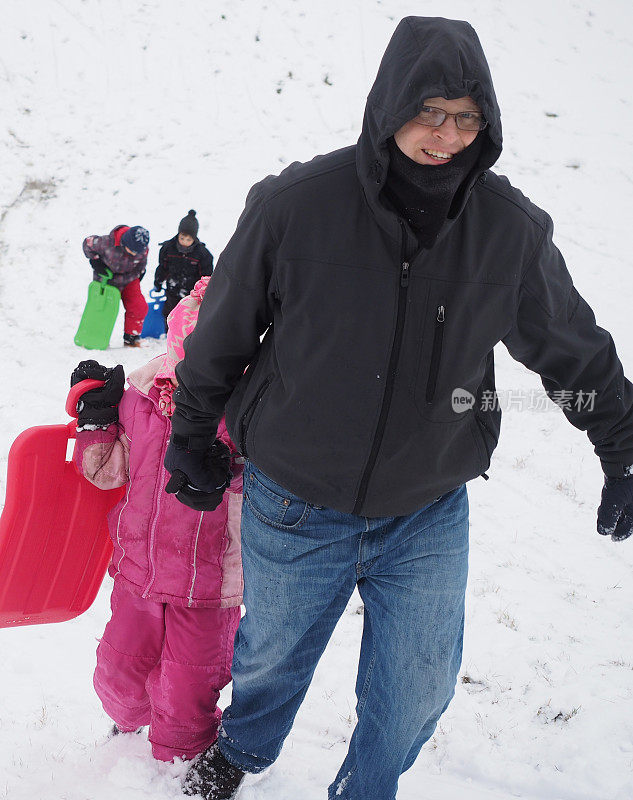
x: 93, y: 247
x: 162, y: 271
x: 206, y: 263
x: 236, y: 310
x: 102, y: 456
x: 556, y: 335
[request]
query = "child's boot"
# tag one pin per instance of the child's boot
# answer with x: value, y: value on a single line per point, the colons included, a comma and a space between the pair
x: 213, y: 777
x: 131, y: 340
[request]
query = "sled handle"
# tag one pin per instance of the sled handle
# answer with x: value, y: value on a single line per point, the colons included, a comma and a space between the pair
x: 155, y: 294
x: 76, y: 391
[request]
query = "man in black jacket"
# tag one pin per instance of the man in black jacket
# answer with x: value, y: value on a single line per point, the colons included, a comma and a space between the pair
x: 380, y: 277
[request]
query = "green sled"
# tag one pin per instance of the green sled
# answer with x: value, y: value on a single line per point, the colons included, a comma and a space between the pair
x: 100, y: 313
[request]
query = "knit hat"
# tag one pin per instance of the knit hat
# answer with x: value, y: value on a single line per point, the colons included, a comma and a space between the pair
x: 136, y: 239
x: 180, y: 322
x: 189, y: 225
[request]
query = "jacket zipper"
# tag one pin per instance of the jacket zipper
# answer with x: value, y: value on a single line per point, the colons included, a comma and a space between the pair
x: 152, y: 536
x: 248, y: 415
x: 436, y: 353
x: 118, y: 526
x: 391, y: 373
x: 194, y: 566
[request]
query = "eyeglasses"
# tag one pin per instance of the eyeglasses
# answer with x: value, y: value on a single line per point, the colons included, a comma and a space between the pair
x: 465, y: 120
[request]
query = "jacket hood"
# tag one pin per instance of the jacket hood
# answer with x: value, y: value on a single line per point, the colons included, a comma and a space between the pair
x: 426, y: 57
x: 117, y: 233
x: 142, y: 378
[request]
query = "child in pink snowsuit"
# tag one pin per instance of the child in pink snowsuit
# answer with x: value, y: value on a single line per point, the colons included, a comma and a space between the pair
x: 166, y: 652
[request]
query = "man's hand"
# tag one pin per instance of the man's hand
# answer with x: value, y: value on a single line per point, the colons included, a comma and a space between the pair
x: 99, y: 407
x: 615, y: 515
x: 198, y: 476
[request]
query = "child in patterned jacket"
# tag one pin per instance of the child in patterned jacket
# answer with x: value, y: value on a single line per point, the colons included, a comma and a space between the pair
x: 166, y: 652
x: 123, y: 251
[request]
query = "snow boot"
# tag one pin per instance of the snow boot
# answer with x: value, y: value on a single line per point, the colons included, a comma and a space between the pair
x: 213, y: 777
x: 131, y: 340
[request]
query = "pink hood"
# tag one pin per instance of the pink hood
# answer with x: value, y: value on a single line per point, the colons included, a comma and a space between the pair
x: 180, y: 322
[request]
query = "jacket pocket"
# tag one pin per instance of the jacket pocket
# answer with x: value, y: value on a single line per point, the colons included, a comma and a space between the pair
x: 247, y: 416
x: 436, y: 353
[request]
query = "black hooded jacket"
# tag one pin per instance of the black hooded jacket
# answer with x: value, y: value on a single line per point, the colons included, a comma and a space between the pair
x: 348, y: 399
x: 182, y: 271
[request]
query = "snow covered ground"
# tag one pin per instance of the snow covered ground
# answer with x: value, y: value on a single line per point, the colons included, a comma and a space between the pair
x: 135, y: 112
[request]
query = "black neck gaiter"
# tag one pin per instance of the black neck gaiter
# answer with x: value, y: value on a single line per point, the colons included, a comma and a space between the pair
x: 184, y: 250
x: 423, y: 193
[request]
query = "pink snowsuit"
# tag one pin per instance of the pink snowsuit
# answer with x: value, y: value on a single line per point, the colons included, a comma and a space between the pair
x: 167, y: 650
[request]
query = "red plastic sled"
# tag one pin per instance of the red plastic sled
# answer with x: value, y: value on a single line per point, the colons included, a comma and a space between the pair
x: 54, y: 542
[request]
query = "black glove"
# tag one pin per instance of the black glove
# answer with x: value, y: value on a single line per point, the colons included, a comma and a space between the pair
x: 615, y: 515
x: 99, y: 407
x: 198, y: 476
x: 99, y: 266
x: 158, y: 286
x: 187, y: 494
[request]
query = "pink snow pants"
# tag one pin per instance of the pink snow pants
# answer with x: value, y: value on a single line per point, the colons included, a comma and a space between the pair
x: 164, y: 665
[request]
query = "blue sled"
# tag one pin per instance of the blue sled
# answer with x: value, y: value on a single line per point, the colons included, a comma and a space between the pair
x: 154, y: 325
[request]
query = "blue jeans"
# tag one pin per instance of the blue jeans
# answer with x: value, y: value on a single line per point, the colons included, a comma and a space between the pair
x: 301, y: 565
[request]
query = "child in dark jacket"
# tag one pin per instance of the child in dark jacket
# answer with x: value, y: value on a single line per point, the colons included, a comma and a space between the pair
x: 124, y: 252
x: 167, y: 650
x: 182, y: 261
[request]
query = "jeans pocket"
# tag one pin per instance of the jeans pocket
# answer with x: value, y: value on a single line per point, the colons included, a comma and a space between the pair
x: 271, y: 503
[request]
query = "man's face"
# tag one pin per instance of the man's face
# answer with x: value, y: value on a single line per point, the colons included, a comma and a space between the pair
x: 427, y: 145
x: 185, y: 240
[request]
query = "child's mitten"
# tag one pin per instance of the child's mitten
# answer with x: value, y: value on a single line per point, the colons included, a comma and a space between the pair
x: 98, y: 408
x: 99, y: 266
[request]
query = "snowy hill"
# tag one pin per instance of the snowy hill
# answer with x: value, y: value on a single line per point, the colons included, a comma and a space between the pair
x: 135, y: 112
